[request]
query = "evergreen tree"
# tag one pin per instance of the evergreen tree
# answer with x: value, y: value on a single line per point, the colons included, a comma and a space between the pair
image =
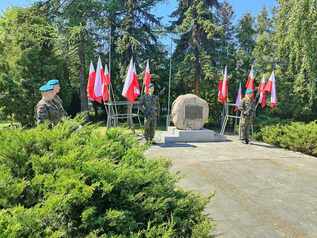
x: 245, y: 34
x: 29, y: 57
x: 226, y: 41
x: 196, y: 26
x: 226, y: 47
x: 264, y: 48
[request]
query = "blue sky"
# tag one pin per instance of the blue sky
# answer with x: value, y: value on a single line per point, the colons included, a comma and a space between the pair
x: 164, y: 9
x: 240, y: 7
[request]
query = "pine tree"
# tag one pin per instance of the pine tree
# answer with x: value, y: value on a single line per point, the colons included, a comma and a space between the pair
x: 245, y: 34
x: 196, y: 26
x: 264, y: 48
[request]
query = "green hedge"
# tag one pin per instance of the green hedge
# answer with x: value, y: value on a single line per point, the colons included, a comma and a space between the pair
x: 70, y: 182
x: 295, y: 136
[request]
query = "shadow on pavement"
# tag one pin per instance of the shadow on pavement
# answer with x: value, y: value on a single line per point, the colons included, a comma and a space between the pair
x: 264, y: 145
x: 175, y: 145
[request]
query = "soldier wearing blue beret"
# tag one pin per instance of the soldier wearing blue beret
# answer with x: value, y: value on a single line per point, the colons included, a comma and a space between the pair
x: 57, y: 100
x: 45, y: 109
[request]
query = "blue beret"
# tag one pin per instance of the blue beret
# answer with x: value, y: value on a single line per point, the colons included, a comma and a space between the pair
x: 46, y: 88
x: 53, y: 82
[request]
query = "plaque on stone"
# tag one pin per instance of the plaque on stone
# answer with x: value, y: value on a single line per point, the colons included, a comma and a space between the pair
x: 193, y: 112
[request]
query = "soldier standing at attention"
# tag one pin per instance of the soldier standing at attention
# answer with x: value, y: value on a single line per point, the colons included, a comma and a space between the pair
x: 150, y: 106
x: 247, y: 114
x: 46, y: 110
x: 57, y: 100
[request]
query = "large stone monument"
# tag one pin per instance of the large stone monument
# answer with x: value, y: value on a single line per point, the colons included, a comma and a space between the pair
x: 189, y: 114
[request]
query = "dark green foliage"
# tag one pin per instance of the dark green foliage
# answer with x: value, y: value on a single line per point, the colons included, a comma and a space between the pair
x: 84, y: 182
x: 29, y: 57
x: 196, y: 27
x: 295, y: 136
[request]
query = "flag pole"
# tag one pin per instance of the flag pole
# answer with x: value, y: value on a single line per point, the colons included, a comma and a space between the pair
x: 144, y: 72
x: 110, y: 53
x: 169, y: 87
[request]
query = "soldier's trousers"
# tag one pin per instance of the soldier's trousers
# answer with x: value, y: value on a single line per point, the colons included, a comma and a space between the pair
x: 245, y: 126
x: 149, y: 128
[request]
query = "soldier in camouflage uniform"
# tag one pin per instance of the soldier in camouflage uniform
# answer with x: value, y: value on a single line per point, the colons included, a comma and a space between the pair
x: 150, y: 106
x: 247, y: 114
x: 46, y: 110
x: 57, y: 100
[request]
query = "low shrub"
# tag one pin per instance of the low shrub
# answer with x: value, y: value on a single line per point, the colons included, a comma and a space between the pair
x: 263, y: 120
x: 73, y: 181
x: 295, y: 136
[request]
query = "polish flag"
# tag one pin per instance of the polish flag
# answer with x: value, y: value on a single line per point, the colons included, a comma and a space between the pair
x: 147, y: 78
x: 262, y: 98
x: 100, y: 78
x: 238, y: 99
x: 131, y: 89
x: 219, y: 91
x: 105, y: 85
x: 136, y: 82
x: 224, y: 87
x: 91, y: 82
x: 250, y: 81
x: 271, y: 88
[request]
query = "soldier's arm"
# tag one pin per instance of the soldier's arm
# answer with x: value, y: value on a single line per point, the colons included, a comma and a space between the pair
x: 41, y: 114
x: 59, y: 103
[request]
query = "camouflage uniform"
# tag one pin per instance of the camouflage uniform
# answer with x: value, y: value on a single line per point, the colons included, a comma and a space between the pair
x: 150, y: 106
x: 58, y: 102
x: 47, y: 111
x: 247, y: 114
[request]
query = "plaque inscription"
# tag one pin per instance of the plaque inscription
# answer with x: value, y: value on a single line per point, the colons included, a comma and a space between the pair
x: 193, y: 112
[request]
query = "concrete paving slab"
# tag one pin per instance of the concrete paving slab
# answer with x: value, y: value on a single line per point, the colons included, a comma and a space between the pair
x: 261, y: 191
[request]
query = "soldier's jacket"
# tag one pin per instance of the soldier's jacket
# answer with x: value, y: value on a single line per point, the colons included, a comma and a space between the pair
x: 59, y: 104
x: 247, y: 108
x: 150, y: 106
x: 47, y: 111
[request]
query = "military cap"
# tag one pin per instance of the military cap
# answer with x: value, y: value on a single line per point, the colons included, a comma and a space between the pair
x: 46, y: 88
x: 249, y: 91
x: 53, y: 82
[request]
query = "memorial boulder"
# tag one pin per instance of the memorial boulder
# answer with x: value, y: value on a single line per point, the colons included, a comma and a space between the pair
x: 189, y: 112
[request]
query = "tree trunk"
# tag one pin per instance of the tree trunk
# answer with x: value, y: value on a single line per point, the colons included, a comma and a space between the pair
x: 83, y: 83
x: 197, y: 72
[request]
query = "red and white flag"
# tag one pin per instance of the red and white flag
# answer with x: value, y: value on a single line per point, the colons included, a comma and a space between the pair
x: 238, y: 99
x: 147, y: 78
x: 219, y: 91
x: 100, y: 78
x: 131, y: 89
x: 250, y: 81
x: 262, y: 98
x: 91, y: 82
x: 224, y: 86
x: 271, y: 88
x: 105, y: 85
x: 137, y: 91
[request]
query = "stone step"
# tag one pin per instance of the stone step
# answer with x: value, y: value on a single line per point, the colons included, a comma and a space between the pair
x: 174, y: 135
